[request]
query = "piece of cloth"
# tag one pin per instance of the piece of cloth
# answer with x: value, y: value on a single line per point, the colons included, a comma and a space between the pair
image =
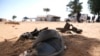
x: 45, y: 49
x: 48, y: 42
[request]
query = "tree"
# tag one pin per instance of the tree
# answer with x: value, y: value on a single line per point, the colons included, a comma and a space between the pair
x: 46, y: 10
x: 14, y: 16
x: 25, y: 18
x: 75, y: 7
x: 94, y: 6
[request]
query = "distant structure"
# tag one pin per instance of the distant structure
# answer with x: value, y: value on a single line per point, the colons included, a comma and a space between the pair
x: 40, y: 18
x: 48, y: 18
x: 25, y: 19
x: 2, y: 20
x: 73, y: 18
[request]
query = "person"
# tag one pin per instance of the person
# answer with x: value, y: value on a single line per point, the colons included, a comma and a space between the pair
x: 93, y: 18
x: 98, y: 19
x: 88, y: 19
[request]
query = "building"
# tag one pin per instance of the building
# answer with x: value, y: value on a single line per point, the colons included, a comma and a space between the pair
x: 73, y: 18
x: 41, y: 18
x: 48, y: 18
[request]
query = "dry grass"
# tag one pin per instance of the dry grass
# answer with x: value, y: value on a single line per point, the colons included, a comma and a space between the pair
x: 12, y: 22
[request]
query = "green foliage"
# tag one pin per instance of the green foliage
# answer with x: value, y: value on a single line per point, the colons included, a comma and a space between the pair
x: 25, y: 18
x: 46, y: 10
x: 94, y: 6
x: 14, y: 16
x: 75, y: 6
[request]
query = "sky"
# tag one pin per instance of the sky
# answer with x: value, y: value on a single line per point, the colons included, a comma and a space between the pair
x: 34, y: 8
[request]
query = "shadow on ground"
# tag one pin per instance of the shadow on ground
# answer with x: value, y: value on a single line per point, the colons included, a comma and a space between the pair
x: 8, y: 48
x: 77, y: 45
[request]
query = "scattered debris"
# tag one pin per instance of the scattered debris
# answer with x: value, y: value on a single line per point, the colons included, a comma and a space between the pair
x: 66, y: 28
x: 30, y: 35
x: 12, y: 22
x: 69, y: 27
x: 76, y: 30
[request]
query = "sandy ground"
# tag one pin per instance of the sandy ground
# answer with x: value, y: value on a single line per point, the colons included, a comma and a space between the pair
x: 85, y: 44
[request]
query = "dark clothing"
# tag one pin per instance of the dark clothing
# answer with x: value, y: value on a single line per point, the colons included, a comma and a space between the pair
x: 88, y: 18
x: 44, y: 49
x: 49, y: 42
x: 98, y: 19
x: 93, y: 18
x: 48, y: 47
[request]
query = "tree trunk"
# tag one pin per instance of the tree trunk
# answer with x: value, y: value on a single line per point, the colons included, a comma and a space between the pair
x: 78, y: 17
x: 98, y: 18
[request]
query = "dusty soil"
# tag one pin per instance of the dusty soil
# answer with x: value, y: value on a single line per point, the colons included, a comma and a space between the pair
x: 85, y: 44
